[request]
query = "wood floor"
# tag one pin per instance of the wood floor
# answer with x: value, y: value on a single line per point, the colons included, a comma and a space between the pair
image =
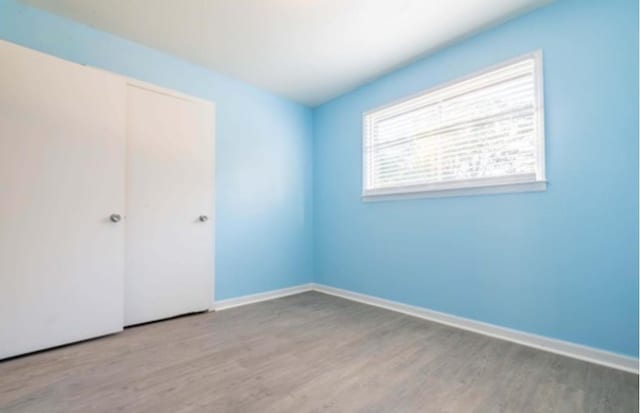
x: 307, y: 353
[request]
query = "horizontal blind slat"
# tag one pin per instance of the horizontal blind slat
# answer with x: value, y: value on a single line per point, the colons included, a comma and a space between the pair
x: 459, y: 89
x: 476, y: 123
x: 512, y: 92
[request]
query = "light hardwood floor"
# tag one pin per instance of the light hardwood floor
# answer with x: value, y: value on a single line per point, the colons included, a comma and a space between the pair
x: 307, y: 353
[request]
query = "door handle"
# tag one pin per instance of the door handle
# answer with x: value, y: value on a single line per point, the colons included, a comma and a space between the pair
x: 203, y: 218
x: 115, y: 217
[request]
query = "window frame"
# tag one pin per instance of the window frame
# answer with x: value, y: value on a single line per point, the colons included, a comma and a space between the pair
x: 494, y: 185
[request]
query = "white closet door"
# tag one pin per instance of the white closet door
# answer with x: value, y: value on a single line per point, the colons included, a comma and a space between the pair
x: 169, y: 259
x: 62, y: 163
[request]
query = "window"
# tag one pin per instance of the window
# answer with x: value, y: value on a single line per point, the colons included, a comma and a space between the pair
x: 481, y: 134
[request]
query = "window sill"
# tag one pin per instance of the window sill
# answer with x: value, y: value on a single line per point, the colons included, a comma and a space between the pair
x: 417, y: 193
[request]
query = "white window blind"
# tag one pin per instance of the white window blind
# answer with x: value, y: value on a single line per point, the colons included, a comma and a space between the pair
x: 480, y: 132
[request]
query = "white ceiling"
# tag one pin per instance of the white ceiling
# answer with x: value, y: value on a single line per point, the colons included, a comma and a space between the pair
x: 307, y: 50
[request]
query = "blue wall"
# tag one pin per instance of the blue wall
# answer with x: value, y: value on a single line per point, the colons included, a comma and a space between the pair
x: 264, y: 218
x: 561, y: 263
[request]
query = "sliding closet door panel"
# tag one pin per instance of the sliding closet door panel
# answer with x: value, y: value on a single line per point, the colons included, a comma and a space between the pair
x: 62, y: 164
x: 169, y: 260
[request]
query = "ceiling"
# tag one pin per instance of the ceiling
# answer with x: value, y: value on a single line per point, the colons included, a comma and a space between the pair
x: 307, y: 50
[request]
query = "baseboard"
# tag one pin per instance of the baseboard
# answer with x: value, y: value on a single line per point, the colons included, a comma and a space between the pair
x: 577, y: 351
x: 256, y: 298
x: 565, y: 348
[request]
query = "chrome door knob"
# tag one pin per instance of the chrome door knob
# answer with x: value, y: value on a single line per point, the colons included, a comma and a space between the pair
x: 203, y: 218
x: 115, y: 217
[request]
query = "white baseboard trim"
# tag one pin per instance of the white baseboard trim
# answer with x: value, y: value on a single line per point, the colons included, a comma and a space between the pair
x: 256, y: 298
x: 565, y: 348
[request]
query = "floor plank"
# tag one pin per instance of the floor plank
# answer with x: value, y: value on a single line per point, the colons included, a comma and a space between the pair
x: 307, y: 353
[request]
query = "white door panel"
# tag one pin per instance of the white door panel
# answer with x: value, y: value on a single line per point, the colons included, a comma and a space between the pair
x: 62, y: 173
x: 169, y: 259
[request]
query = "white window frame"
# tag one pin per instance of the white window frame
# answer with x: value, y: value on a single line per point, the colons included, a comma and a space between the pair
x: 476, y: 186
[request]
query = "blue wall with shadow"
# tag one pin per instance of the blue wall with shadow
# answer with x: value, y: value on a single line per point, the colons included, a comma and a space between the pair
x: 561, y: 263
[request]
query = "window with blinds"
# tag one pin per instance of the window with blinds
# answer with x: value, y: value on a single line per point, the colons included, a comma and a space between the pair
x: 483, y: 133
